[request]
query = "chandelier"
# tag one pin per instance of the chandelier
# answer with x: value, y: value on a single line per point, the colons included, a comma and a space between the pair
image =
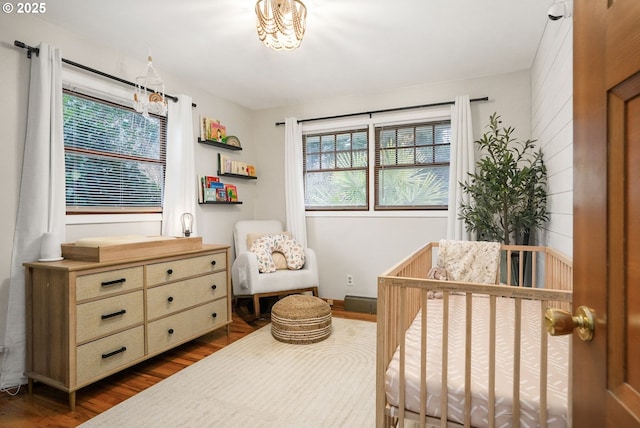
x: 281, y: 23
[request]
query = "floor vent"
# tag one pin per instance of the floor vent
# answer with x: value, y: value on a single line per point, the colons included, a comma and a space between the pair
x: 368, y: 305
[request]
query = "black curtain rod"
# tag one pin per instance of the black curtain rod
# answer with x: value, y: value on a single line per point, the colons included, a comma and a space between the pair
x: 370, y: 113
x: 31, y: 49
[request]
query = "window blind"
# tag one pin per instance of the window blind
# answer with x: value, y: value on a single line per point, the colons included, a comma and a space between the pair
x: 114, y: 157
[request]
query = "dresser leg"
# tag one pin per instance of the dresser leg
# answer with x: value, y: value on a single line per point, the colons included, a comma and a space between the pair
x: 30, y: 386
x: 72, y: 401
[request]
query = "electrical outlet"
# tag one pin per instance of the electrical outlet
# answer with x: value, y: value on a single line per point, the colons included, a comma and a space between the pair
x: 349, y: 279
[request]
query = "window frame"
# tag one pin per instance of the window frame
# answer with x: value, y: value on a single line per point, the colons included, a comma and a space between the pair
x: 381, y: 119
x: 88, y: 85
x: 378, y: 167
x: 336, y: 152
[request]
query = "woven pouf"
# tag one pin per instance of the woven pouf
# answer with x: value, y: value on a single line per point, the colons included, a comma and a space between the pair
x: 301, y: 319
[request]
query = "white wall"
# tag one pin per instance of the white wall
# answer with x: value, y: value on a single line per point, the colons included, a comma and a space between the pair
x: 552, y: 126
x: 367, y: 244
x: 215, y: 222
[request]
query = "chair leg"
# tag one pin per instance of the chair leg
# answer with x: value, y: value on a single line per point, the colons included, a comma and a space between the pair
x: 315, y: 291
x: 256, y: 305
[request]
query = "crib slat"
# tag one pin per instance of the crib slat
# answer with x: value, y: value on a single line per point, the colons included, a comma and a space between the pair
x: 444, y: 382
x: 402, y: 344
x: 508, y: 262
x: 543, y: 367
x: 521, y: 268
x: 423, y: 360
x: 467, y: 362
x: 516, y: 362
x: 492, y: 362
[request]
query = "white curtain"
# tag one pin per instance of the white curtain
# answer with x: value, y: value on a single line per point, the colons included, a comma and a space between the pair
x: 294, y: 181
x: 180, y: 178
x: 462, y: 163
x: 41, y: 208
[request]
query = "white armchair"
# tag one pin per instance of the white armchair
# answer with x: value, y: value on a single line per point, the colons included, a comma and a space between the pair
x: 248, y: 282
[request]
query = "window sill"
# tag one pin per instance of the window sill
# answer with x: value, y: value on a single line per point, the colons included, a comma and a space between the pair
x: 380, y: 214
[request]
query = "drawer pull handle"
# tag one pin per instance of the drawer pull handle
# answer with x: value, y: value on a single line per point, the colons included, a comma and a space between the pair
x: 170, y: 299
x: 170, y: 331
x: 213, y: 263
x: 112, y: 353
x: 169, y: 271
x: 214, y: 314
x: 213, y: 287
x: 114, y: 282
x: 115, y: 314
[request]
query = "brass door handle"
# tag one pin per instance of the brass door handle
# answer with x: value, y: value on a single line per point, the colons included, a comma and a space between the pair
x: 559, y: 322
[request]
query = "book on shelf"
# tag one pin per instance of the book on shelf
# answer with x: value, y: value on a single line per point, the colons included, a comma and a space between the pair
x: 210, y: 179
x: 227, y: 165
x: 232, y: 192
x: 215, y: 191
x: 212, y: 130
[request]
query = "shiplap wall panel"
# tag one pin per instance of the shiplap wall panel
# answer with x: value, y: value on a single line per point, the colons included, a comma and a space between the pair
x: 552, y: 127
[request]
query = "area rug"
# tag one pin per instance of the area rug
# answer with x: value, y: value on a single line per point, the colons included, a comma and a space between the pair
x: 260, y: 382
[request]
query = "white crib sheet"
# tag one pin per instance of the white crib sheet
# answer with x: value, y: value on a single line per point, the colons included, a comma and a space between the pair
x: 558, y: 364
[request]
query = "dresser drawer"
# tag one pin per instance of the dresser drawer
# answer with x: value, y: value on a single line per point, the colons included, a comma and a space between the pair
x: 97, y: 358
x: 177, y: 269
x: 170, y: 331
x: 101, y: 317
x: 108, y: 282
x: 176, y: 296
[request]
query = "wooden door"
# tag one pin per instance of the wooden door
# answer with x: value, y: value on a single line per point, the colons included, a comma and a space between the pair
x: 606, y: 371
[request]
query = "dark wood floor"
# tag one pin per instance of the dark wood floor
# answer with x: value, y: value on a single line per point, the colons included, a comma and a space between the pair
x: 48, y: 407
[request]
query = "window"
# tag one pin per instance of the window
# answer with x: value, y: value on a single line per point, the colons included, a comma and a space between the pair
x: 412, y: 166
x: 114, y: 157
x: 336, y: 170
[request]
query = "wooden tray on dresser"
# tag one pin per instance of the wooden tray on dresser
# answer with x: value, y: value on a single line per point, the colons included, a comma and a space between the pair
x: 111, y: 252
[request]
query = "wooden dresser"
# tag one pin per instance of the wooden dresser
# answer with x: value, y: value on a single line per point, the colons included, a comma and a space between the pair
x: 88, y: 320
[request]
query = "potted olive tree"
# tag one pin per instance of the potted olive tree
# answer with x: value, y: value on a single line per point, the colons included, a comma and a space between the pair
x: 508, y: 190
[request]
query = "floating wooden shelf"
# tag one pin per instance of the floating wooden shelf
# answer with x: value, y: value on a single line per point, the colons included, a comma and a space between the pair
x: 219, y: 144
x: 221, y: 203
x: 229, y: 174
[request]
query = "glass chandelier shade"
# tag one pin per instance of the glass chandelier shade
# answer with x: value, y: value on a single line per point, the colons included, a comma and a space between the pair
x: 281, y: 23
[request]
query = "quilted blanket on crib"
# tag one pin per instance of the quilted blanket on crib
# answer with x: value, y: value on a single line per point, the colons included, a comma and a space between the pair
x: 558, y: 364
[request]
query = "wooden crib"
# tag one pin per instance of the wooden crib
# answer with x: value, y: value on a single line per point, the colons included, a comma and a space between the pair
x: 405, y: 361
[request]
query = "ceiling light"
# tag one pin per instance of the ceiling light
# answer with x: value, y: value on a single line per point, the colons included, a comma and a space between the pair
x: 281, y: 23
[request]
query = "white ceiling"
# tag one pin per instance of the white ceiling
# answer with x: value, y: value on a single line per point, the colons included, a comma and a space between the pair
x: 351, y: 47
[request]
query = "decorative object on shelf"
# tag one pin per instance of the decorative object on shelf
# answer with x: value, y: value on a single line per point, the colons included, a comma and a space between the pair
x: 149, y: 95
x: 281, y: 23
x: 187, y: 224
x: 212, y: 130
x: 232, y: 140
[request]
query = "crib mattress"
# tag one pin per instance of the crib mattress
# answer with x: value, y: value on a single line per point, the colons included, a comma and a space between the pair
x: 558, y: 364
